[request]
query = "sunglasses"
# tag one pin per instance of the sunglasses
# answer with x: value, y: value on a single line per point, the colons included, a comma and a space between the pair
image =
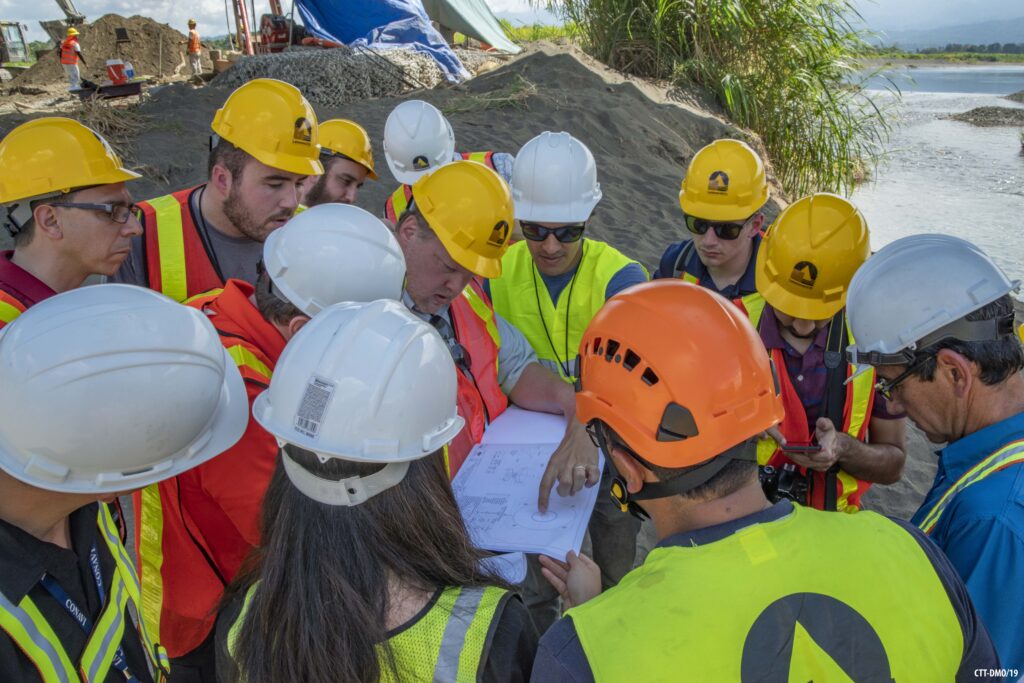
x: 119, y: 213
x: 724, y: 231
x: 886, y: 387
x: 538, y: 233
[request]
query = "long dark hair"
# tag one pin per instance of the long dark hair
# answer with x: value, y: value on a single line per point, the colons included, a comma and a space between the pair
x: 321, y: 606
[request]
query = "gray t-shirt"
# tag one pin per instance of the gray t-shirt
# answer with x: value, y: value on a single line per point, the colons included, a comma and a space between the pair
x: 234, y: 257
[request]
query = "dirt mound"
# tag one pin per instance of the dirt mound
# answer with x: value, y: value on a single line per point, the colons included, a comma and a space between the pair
x: 153, y: 50
x: 1017, y: 97
x: 991, y: 116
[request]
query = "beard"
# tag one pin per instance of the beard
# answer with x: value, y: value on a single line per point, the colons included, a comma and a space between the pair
x: 318, y: 193
x: 245, y: 220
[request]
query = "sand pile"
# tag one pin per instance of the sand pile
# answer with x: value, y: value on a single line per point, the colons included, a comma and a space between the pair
x: 153, y: 50
x: 987, y: 117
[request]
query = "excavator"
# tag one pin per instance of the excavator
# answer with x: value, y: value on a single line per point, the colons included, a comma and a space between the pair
x: 57, y: 29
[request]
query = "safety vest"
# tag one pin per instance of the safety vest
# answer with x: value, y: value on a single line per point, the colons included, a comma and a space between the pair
x: 1010, y: 454
x: 851, y: 598
x: 162, y: 500
x: 751, y: 304
x: 480, y: 398
x: 193, y: 41
x: 399, y: 200
x: 448, y: 643
x: 10, y: 308
x: 176, y: 258
x: 555, y: 330
x: 30, y: 631
x: 68, y: 54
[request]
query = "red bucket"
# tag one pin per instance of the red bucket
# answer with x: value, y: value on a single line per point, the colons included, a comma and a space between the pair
x: 115, y: 71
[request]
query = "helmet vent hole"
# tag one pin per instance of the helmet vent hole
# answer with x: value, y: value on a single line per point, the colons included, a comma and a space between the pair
x: 597, y: 345
x: 611, y: 349
x: 630, y: 360
x: 649, y: 377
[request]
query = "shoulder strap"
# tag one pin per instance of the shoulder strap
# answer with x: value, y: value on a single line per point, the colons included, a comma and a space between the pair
x: 834, y: 403
x: 684, y: 255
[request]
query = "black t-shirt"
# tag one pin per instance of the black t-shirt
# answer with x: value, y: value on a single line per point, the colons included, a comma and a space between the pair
x: 23, y: 561
x: 508, y: 655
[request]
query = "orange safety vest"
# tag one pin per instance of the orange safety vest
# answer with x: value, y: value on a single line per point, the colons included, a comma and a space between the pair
x: 480, y: 398
x: 193, y: 41
x: 177, y: 262
x: 10, y: 308
x: 68, y: 54
x: 399, y: 200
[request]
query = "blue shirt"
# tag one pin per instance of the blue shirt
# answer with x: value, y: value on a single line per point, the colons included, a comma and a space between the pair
x: 982, y: 533
x: 695, y: 267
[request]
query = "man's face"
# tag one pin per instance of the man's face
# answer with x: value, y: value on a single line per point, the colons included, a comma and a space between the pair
x: 929, y: 405
x: 262, y: 199
x: 339, y: 184
x: 433, y: 278
x: 715, y: 252
x: 91, y: 239
x: 552, y: 257
x: 800, y: 328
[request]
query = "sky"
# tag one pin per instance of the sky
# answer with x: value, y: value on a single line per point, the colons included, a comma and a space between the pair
x: 879, y: 14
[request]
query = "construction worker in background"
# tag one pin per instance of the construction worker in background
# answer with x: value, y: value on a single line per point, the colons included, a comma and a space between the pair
x: 67, y: 209
x: 934, y: 316
x: 457, y: 227
x: 193, y: 531
x: 412, y: 602
x: 194, y: 49
x: 674, y: 386
x: 70, y: 54
x: 347, y: 159
x: 417, y: 139
x: 721, y: 197
x: 838, y: 436
x: 265, y: 145
x: 551, y: 285
x: 170, y: 398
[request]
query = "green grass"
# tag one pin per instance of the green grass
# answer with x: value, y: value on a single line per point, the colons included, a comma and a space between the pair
x: 964, y: 57
x: 17, y: 64
x: 526, y: 33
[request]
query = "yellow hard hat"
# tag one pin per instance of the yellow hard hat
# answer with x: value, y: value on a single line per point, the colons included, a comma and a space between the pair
x: 55, y: 154
x: 72, y: 31
x: 273, y: 122
x: 349, y: 139
x: 809, y: 255
x: 724, y: 182
x: 191, y: 22
x: 469, y: 207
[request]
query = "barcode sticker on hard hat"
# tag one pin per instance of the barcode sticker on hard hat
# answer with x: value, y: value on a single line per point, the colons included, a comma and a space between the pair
x: 313, y: 406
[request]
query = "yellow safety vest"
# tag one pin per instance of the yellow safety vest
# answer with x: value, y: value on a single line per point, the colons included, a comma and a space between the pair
x: 28, y: 628
x: 838, y: 585
x: 448, y: 643
x: 555, y: 331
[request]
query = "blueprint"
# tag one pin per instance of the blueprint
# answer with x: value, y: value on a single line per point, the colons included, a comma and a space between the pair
x: 509, y: 566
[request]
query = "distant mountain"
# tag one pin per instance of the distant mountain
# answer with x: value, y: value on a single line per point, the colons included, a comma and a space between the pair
x: 984, y: 33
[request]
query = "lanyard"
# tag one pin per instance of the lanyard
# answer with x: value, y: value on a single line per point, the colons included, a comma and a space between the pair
x: 78, y: 614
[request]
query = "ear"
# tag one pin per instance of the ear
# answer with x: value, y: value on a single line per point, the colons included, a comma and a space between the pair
x: 630, y: 470
x: 47, y: 221
x: 221, y: 179
x: 757, y: 222
x: 296, y: 323
x: 959, y: 372
x: 407, y: 230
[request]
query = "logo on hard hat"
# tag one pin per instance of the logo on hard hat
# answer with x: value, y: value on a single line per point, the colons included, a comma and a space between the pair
x: 804, y: 274
x: 303, y: 131
x: 718, y: 182
x: 420, y: 163
x: 499, y: 235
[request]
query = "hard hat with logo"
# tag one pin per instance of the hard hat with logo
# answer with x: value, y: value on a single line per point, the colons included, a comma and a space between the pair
x: 469, y: 207
x: 271, y: 121
x: 72, y: 31
x: 332, y: 253
x: 725, y: 181
x: 364, y: 382
x: 554, y: 180
x: 916, y: 291
x: 348, y: 139
x: 678, y: 372
x: 114, y: 387
x: 417, y: 139
x: 809, y: 255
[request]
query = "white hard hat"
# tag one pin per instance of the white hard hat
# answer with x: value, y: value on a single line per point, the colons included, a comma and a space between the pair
x: 332, y: 253
x: 554, y: 180
x: 363, y: 382
x: 417, y: 139
x: 915, y: 292
x: 111, y: 388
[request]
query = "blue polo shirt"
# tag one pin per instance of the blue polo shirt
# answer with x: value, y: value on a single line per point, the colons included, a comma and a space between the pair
x: 982, y: 533
x: 695, y: 267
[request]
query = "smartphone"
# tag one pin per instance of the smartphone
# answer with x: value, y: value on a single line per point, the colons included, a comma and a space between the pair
x: 808, y: 448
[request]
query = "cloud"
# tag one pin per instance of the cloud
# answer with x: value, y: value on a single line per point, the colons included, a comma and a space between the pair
x: 209, y: 13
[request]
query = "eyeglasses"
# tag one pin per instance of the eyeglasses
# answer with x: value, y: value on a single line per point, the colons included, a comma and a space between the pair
x: 886, y: 387
x: 724, y: 231
x: 538, y: 233
x: 119, y: 213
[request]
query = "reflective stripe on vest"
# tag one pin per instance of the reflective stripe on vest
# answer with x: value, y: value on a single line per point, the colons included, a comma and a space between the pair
x: 1010, y: 454
x: 810, y: 621
x: 10, y: 308
x: 398, y: 202
x: 521, y: 297
x: 751, y: 304
x: 485, y: 158
x: 247, y: 360
x: 68, y: 53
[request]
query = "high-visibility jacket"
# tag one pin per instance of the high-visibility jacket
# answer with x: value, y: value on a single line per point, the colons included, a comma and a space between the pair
x: 751, y: 304
x: 193, y: 531
x: 448, y: 643
x: 480, y: 398
x: 177, y: 261
x: 68, y: 53
x: 399, y: 200
x: 19, y: 289
x: 555, y: 330
x: 10, y: 308
x: 193, y: 41
x: 699, y: 612
x: 1008, y: 455
x: 30, y: 631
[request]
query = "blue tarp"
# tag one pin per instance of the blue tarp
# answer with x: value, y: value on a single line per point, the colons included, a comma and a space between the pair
x: 380, y: 23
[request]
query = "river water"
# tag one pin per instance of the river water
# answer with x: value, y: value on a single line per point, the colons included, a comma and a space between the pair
x: 947, y: 176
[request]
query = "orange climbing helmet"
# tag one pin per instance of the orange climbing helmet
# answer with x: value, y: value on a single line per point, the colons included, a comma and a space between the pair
x: 677, y: 372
